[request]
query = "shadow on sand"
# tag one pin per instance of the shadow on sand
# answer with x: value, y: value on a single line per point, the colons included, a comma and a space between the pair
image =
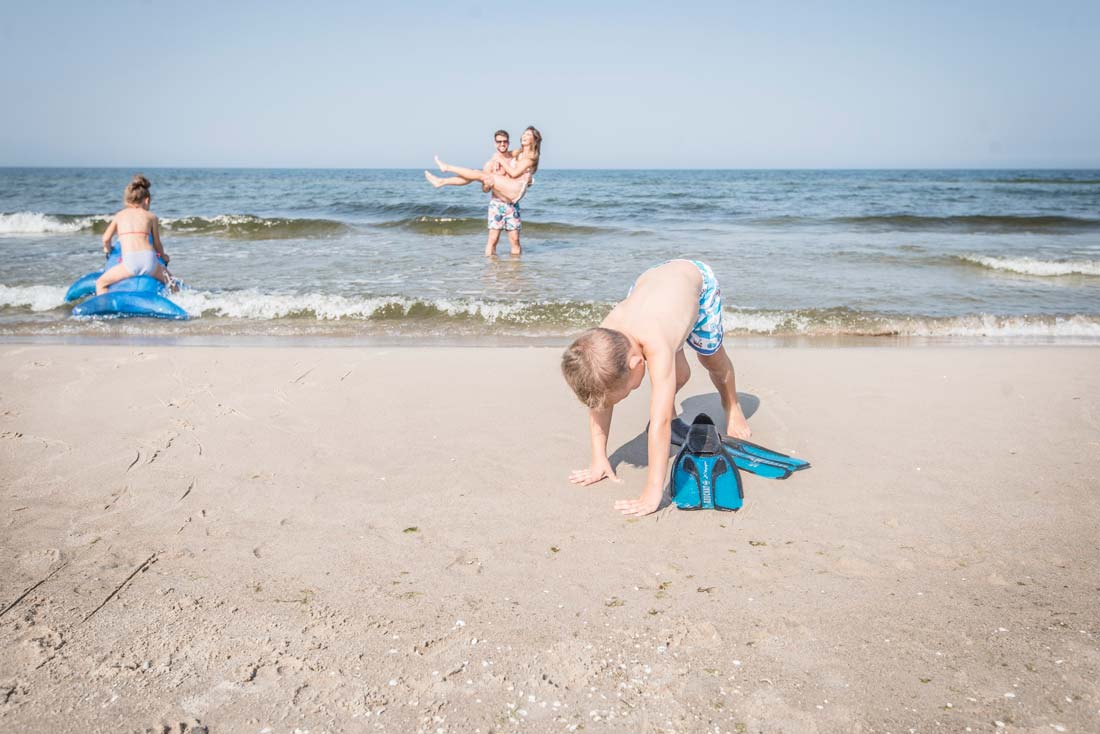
x: 636, y: 451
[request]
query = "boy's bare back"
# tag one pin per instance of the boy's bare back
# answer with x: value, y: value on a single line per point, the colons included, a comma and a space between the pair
x: 661, y: 309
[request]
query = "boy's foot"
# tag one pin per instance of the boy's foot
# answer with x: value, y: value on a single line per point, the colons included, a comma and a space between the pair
x: 736, y: 425
x: 433, y: 180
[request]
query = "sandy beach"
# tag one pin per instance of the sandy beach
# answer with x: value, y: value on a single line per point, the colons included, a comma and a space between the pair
x: 267, y: 539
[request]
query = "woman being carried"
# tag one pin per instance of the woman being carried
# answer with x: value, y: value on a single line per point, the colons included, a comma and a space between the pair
x: 510, y: 181
x: 138, y: 232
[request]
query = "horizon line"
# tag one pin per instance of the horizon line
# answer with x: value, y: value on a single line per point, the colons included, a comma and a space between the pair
x: 655, y: 168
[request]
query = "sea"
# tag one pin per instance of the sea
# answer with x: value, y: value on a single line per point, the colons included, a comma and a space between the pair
x: 379, y: 256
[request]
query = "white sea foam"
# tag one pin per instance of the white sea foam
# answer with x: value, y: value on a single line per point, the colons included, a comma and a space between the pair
x: 38, y: 223
x: 254, y: 304
x: 222, y: 220
x: 763, y: 322
x: 34, y: 297
x: 779, y: 323
x: 1006, y: 326
x: 1031, y: 266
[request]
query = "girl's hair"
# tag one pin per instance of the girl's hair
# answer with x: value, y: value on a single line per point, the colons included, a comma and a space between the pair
x: 137, y: 190
x: 537, y: 147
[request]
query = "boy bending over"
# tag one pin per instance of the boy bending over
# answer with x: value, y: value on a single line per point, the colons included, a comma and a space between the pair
x: 672, y: 303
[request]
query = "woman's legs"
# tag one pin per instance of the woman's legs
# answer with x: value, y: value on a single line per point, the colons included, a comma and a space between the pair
x: 505, y: 188
x: 437, y: 181
x: 467, y: 173
x: 509, y: 188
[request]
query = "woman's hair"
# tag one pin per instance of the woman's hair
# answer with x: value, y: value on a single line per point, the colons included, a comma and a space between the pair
x: 137, y: 190
x: 537, y: 147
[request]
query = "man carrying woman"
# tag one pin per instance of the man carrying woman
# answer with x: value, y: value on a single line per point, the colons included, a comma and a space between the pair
x: 507, y: 175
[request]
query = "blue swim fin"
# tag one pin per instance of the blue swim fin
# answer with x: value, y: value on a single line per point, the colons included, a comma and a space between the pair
x: 704, y: 476
x: 748, y: 456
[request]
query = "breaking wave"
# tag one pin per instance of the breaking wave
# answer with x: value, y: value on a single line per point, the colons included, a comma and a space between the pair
x: 1031, y: 266
x: 264, y: 312
x: 23, y: 223
x: 230, y: 226
x: 32, y: 297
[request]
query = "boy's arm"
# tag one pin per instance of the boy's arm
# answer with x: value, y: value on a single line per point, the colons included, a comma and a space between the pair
x: 662, y: 404
x: 599, y: 424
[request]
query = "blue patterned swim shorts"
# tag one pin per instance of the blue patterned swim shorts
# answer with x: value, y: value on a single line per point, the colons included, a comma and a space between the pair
x: 706, y: 335
x: 504, y: 215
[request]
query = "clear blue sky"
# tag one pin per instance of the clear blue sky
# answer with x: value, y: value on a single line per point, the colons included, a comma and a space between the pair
x: 610, y: 84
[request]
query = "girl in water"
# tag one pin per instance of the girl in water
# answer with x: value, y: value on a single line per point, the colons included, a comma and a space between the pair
x: 138, y: 232
x: 509, y: 183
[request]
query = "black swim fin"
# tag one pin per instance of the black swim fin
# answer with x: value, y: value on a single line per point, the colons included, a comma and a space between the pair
x: 748, y: 456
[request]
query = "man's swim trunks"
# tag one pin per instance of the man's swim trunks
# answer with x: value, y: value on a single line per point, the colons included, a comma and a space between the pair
x: 706, y: 335
x: 503, y: 215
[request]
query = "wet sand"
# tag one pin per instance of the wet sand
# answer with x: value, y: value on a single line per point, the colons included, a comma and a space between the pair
x: 262, y: 539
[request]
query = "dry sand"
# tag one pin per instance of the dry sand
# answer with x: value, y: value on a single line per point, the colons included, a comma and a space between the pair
x: 361, y: 539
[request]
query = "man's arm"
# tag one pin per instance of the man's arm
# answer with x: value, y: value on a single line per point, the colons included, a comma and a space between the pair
x: 599, y: 425
x: 515, y: 165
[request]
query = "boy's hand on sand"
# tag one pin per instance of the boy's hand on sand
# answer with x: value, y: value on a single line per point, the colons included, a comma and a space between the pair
x: 644, y: 505
x: 593, y: 474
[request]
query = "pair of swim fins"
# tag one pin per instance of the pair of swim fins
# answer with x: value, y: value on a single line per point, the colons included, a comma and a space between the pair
x: 747, y: 456
x: 704, y: 473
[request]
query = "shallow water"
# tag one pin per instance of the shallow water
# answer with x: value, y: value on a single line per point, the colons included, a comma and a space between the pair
x: 379, y: 253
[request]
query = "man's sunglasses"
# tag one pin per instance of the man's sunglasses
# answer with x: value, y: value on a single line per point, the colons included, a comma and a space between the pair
x: 498, y: 142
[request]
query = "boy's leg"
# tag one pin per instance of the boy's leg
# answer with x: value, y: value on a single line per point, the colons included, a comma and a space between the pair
x: 720, y: 369
x: 513, y: 239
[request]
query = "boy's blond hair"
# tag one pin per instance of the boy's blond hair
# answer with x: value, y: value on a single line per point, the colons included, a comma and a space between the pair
x: 595, y: 364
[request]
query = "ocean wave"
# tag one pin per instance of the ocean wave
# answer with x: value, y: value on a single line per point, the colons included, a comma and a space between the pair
x: 22, y: 223
x: 1058, y: 181
x: 260, y: 312
x: 972, y: 223
x: 230, y: 226
x: 446, y: 225
x: 32, y: 297
x: 1031, y: 266
x: 843, y: 322
x: 257, y: 305
x: 386, y: 210
x: 285, y: 314
x: 249, y: 227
